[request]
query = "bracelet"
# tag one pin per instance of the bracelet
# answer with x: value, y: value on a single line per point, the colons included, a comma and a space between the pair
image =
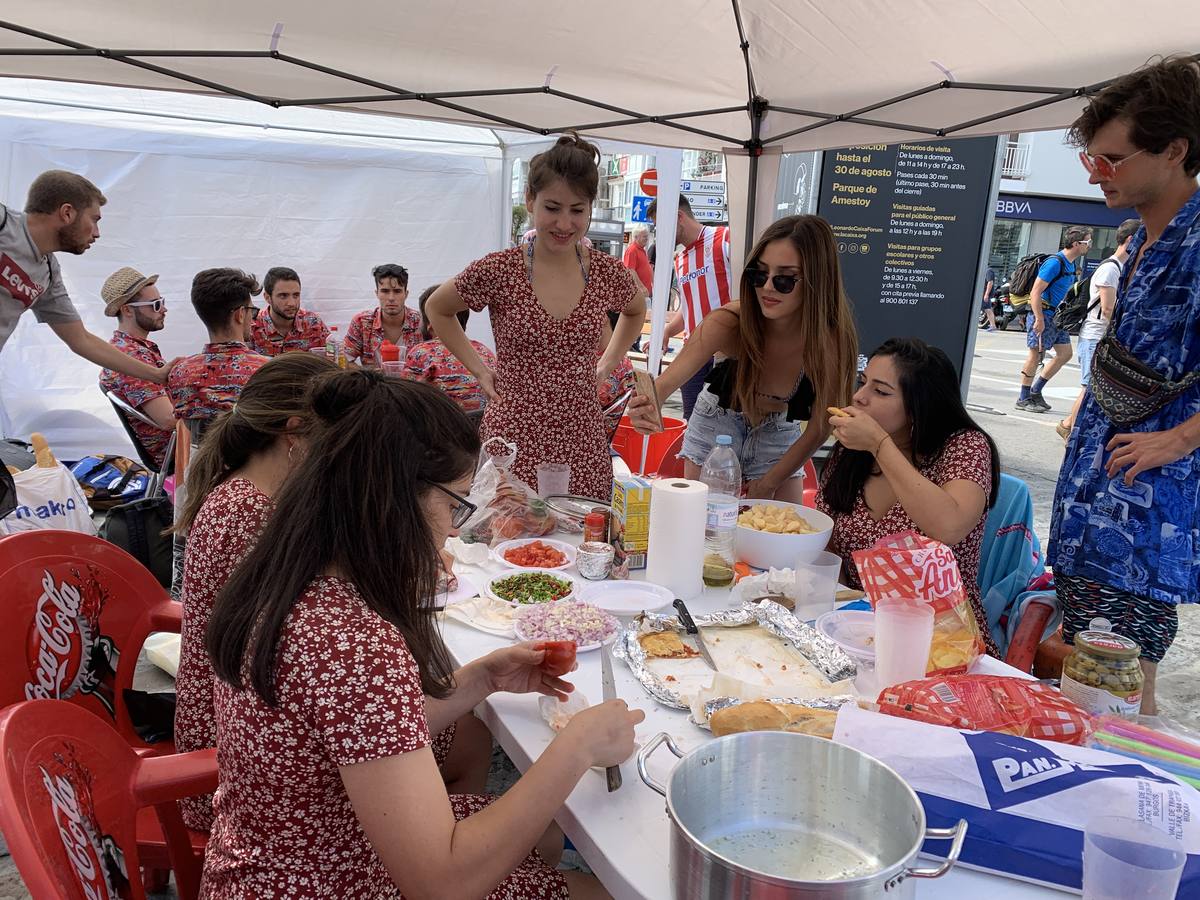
x: 884, y: 440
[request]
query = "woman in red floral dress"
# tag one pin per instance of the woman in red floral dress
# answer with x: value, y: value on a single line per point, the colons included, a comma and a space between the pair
x: 332, y: 676
x: 911, y: 458
x: 232, y: 479
x: 549, y: 301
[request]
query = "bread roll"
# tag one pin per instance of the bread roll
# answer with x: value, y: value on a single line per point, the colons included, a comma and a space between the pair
x: 759, y: 715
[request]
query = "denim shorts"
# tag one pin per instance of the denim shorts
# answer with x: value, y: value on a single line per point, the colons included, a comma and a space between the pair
x: 1051, y: 335
x: 758, y: 448
x: 1085, y: 348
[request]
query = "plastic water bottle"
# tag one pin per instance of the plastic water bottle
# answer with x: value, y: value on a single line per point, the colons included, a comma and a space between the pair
x: 333, y: 348
x: 722, y: 472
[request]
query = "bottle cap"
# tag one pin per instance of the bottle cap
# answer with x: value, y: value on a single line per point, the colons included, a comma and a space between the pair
x: 389, y: 352
x: 725, y: 440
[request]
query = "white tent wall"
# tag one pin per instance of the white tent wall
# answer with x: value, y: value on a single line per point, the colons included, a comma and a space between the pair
x: 187, y: 196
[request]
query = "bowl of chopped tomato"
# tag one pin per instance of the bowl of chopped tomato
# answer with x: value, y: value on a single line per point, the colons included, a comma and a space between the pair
x: 535, y: 553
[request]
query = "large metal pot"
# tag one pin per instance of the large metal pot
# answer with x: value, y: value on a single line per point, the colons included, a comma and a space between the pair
x: 767, y: 815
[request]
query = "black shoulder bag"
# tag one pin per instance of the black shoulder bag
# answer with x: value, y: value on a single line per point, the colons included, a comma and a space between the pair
x: 1127, y: 389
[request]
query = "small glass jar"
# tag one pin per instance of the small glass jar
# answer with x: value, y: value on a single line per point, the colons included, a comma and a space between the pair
x: 1103, y: 675
x: 594, y: 559
x: 595, y: 526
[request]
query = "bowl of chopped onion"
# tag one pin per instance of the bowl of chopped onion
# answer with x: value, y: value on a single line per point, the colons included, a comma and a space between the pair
x: 588, y: 626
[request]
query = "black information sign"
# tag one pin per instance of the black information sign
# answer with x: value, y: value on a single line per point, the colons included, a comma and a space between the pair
x: 909, y: 222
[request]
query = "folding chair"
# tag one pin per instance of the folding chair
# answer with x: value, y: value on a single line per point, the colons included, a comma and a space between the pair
x: 125, y: 413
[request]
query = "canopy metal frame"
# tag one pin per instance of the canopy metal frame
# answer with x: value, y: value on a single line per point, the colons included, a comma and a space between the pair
x: 755, y: 108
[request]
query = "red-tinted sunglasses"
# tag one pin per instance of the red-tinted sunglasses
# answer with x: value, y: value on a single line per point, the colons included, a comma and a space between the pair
x: 1103, y: 166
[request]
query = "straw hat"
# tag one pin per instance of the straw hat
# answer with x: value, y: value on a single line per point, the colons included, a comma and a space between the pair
x: 122, y: 286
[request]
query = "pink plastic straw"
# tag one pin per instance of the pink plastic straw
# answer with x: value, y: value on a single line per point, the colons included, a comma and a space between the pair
x: 1149, y: 736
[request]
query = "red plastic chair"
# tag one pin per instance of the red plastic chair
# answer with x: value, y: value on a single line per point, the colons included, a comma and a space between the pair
x: 810, y: 485
x: 73, y: 796
x: 76, y: 612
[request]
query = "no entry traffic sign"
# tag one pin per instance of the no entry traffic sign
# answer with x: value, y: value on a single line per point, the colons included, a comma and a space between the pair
x: 649, y: 182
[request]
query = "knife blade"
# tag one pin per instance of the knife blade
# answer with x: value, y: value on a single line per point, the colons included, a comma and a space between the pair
x: 689, y: 625
x: 609, y: 692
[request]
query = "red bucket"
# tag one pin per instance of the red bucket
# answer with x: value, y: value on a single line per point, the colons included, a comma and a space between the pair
x: 628, y: 444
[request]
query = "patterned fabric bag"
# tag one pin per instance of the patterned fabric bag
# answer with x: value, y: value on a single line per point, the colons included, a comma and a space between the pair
x: 1127, y: 389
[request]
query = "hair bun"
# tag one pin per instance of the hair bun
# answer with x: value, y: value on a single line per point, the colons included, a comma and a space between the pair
x: 337, y: 393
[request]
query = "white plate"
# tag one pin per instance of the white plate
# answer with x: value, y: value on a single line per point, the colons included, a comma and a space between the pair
x: 509, y: 573
x: 626, y: 598
x: 566, y: 549
x: 579, y: 648
x: 851, y: 629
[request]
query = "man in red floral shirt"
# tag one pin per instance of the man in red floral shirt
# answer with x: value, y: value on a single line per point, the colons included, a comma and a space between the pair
x: 205, y: 385
x: 282, y: 325
x: 140, y: 309
x: 391, y: 320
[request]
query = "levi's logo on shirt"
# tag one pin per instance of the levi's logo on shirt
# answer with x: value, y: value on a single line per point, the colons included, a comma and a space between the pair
x: 23, y: 288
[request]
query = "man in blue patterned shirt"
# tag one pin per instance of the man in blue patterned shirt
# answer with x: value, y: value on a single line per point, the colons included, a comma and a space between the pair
x: 1125, y: 533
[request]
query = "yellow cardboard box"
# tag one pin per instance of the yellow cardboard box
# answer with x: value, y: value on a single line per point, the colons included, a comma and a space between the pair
x: 631, y: 517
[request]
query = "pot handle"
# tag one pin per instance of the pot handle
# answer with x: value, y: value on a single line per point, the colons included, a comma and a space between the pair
x: 959, y: 834
x: 644, y: 754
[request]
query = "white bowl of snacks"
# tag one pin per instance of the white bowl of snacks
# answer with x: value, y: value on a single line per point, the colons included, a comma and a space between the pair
x: 528, y: 587
x: 772, y: 534
x: 535, y: 553
x: 587, y: 625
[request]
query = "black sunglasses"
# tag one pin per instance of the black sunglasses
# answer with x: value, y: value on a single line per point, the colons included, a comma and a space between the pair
x: 784, y: 284
x: 390, y: 270
x: 462, y: 512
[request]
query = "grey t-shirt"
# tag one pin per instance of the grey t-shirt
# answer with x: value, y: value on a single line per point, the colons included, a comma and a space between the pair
x: 28, y: 280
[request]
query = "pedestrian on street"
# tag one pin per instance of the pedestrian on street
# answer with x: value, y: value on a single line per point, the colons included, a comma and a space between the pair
x: 1054, y: 279
x: 1125, y: 533
x: 1102, y: 298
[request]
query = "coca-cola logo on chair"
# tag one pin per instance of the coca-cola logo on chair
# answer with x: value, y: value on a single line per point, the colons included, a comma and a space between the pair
x: 95, y: 857
x: 67, y: 654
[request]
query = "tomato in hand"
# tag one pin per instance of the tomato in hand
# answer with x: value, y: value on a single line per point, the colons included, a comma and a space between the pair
x: 560, y: 657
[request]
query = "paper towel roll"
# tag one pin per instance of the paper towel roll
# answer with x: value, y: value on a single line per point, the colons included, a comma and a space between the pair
x: 675, y: 555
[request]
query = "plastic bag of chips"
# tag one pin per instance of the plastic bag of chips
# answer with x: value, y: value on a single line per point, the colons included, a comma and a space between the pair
x: 909, y: 566
x: 990, y: 703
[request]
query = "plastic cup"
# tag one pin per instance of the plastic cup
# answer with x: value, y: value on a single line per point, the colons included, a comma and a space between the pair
x: 903, y: 633
x: 816, y: 585
x: 1125, y: 859
x: 553, y: 478
x: 392, y: 367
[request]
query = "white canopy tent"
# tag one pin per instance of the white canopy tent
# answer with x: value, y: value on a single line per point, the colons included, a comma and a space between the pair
x: 751, y: 77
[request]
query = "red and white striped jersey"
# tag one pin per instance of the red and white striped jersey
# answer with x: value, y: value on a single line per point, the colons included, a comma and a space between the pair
x: 705, y: 281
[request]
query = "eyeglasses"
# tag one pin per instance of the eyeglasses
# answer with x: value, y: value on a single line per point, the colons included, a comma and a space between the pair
x: 1103, y: 166
x: 784, y: 284
x: 156, y: 305
x: 462, y: 512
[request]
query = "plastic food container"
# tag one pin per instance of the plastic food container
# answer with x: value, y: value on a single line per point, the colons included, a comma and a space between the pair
x: 1103, y: 674
x: 851, y: 629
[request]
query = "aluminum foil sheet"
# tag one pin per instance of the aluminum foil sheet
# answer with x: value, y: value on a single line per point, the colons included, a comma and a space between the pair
x: 829, y: 659
x: 833, y: 704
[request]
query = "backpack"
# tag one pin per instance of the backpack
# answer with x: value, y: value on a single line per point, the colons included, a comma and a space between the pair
x: 1075, y: 308
x: 1025, y: 274
x: 109, y: 481
x: 137, y: 528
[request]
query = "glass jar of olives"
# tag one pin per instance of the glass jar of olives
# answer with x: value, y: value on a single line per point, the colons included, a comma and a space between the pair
x: 1103, y: 675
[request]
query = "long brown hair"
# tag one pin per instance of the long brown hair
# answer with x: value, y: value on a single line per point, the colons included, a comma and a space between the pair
x: 353, y: 505
x: 826, y: 326
x: 272, y: 395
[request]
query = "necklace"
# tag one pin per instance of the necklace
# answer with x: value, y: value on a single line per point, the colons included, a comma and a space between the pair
x: 578, y: 256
